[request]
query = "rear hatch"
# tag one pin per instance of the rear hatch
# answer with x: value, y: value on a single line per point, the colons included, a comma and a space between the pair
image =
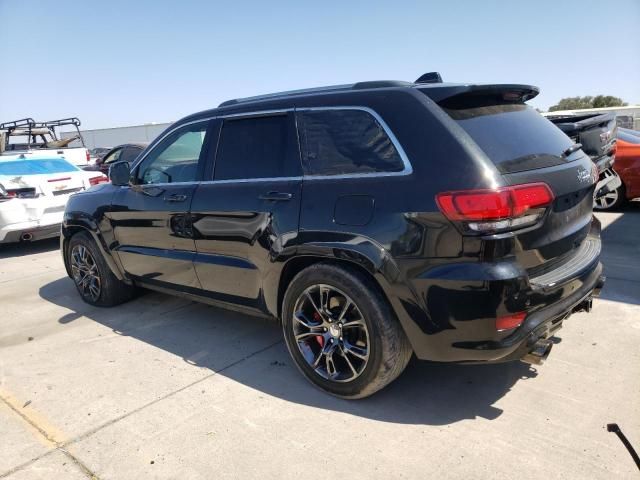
x: 527, y: 148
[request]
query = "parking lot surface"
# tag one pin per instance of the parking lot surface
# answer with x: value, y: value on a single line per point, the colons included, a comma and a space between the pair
x: 162, y: 387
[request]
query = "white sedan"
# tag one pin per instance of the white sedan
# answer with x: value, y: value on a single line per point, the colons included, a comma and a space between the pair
x: 34, y: 192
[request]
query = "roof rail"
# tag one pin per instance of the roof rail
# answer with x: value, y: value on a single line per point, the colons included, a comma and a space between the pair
x: 348, y: 86
x: 380, y: 84
x: 431, y: 77
x: 288, y: 93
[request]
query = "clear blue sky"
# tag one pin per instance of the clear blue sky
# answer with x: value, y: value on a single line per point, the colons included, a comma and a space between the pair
x: 115, y: 62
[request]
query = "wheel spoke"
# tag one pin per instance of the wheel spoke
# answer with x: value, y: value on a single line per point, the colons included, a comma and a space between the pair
x: 361, y: 353
x: 313, y: 303
x: 305, y: 335
x: 354, y: 323
x: 343, y: 312
x: 330, y: 366
x: 324, y: 298
x: 316, y: 362
x: 302, y: 319
x: 346, y: 359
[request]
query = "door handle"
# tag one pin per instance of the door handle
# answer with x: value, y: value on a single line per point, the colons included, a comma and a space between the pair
x: 276, y: 196
x: 175, y: 198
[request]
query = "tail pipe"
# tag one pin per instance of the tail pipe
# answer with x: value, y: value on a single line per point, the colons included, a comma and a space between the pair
x: 26, y: 237
x: 599, y: 285
x: 539, y: 352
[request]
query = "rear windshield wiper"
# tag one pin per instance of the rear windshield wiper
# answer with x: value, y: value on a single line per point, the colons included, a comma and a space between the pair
x: 573, y: 148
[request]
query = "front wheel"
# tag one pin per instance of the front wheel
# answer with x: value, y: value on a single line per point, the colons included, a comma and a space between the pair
x: 92, y: 276
x: 341, y: 332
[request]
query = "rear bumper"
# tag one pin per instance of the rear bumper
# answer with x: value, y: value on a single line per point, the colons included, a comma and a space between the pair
x: 28, y: 233
x: 40, y: 217
x: 451, y: 316
x: 543, y: 324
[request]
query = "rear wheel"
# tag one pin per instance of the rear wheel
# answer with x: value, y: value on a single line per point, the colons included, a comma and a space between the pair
x: 341, y: 332
x: 93, y: 278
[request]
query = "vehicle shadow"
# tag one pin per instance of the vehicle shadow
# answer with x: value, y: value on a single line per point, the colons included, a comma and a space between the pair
x: 22, y: 249
x: 427, y: 393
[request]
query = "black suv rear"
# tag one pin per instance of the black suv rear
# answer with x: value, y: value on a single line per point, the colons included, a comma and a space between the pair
x: 376, y: 220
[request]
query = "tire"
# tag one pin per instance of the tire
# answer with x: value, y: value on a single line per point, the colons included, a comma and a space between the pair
x: 110, y: 291
x: 369, y: 322
x: 611, y: 201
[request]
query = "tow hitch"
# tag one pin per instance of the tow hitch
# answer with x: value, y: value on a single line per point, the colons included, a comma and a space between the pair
x: 587, y: 304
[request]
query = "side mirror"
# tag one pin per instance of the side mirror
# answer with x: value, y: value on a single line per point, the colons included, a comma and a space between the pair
x: 119, y: 173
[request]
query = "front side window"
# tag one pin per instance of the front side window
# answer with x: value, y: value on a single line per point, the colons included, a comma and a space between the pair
x: 257, y: 147
x: 346, y: 141
x: 176, y: 158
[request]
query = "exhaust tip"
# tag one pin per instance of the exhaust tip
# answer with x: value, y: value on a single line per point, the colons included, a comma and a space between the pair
x: 599, y: 285
x: 539, y: 352
x: 26, y: 237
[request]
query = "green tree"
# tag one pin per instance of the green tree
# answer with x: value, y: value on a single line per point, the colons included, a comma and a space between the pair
x: 600, y: 101
x: 576, y: 103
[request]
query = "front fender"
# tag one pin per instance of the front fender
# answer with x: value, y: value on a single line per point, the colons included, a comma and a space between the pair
x: 75, y: 222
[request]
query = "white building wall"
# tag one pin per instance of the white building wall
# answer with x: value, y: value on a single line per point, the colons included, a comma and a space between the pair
x: 110, y: 137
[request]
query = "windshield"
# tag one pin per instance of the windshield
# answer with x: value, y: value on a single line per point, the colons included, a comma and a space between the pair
x: 36, y: 167
x: 514, y: 136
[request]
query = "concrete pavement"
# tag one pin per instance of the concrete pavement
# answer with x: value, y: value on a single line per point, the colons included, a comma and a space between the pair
x: 165, y: 388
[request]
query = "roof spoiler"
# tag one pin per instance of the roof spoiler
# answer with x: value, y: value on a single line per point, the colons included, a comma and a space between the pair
x: 509, y: 92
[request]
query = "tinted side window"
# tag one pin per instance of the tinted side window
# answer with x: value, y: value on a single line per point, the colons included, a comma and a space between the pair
x: 257, y: 147
x: 175, y: 159
x: 129, y: 154
x: 337, y: 142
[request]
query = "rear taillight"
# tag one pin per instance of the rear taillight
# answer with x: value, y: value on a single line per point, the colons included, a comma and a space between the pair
x: 28, y: 192
x: 88, y: 155
x: 510, y: 321
x: 97, y: 180
x: 497, y: 210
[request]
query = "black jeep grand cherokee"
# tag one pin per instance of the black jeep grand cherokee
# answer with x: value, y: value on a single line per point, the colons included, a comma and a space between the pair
x: 376, y: 220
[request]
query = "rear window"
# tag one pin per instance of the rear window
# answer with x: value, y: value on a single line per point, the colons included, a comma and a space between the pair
x: 36, y: 167
x: 512, y: 135
x: 129, y: 154
x: 349, y: 141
